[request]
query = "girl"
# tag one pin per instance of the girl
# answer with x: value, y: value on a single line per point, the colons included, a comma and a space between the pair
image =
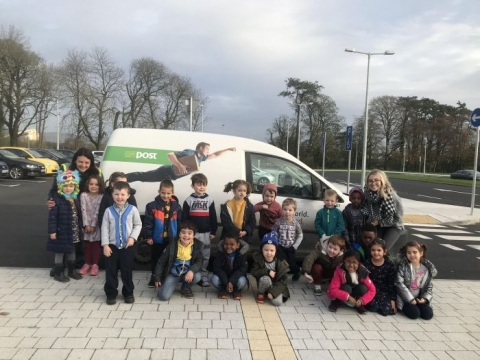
x: 237, y: 215
x: 107, y: 199
x: 350, y: 284
x: 64, y: 224
x: 382, y: 274
x: 90, y: 205
x: 414, y: 282
x: 383, y: 207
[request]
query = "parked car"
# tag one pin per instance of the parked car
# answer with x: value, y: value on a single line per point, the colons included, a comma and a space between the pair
x: 51, y: 167
x: 261, y: 178
x: 3, y: 169
x: 68, y: 153
x: 55, y: 156
x: 464, y: 174
x: 20, y: 167
x: 98, y: 153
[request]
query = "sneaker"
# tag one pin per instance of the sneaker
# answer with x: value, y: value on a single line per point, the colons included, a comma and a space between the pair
x: 334, y: 305
x: 187, y: 293
x: 361, y: 309
x: 204, y: 282
x: 111, y: 301
x: 296, y: 276
x: 151, y: 283
x: 223, y: 295
x: 84, y: 269
x: 237, y: 295
x: 129, y: 299
x: 260, y: 298
x: 317, y: 290
x: 94, y: 270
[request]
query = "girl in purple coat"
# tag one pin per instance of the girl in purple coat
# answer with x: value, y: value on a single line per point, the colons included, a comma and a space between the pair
x: 65, y: 224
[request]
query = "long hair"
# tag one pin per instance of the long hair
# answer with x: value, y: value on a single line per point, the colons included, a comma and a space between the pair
x: 386, y: 188
x: 92, y: 169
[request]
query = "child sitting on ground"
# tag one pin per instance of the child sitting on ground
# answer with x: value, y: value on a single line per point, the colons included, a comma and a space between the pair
x: 230, y: 267
x: 270, y: 210
x: 350, y: 284
x: 322, y: 261
x: 270, y: 272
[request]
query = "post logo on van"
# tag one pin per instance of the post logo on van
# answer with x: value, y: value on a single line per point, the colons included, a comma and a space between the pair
x: 136, y: 155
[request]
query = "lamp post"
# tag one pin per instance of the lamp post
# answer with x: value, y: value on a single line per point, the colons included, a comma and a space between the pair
x: 201, y: 112
x: 288, y: 127
x: 424, y: 155
x: 365, y: 127
x: 58, y: 126
x: 298, y: 125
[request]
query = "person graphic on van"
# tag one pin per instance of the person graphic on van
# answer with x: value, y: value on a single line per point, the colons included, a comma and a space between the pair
x: 177, y: 169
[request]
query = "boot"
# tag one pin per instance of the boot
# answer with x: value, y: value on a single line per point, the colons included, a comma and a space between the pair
x: 72, y: 273
x: 59, y: 275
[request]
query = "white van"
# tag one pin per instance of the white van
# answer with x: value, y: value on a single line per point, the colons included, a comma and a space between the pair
x: 146, y: 156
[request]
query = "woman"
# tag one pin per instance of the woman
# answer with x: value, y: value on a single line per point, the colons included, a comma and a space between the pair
x: 383, y: 207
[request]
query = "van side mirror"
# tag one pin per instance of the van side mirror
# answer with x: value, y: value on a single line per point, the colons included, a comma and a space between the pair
x: 317, y: 191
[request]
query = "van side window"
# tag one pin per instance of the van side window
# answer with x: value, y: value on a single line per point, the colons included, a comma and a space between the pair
x: 290, y: 179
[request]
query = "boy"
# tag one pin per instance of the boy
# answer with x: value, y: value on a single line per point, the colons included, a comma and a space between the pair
x: 353, y: 217
x: 329, y: 220
x: 230, y: 267
x: 270, y: 210
x: 322, y: 261
x: 64, y: 224
x: 290, y: 236
x: 369, y: 233
x: 199, y: 208
x: 180, y: 262
x: 120, y: 229
x: 160, y: 225
x: 270, y: 272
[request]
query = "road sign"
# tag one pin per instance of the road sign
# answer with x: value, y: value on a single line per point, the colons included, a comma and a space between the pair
x: 475, y: 117
x: 322, y: 148
x: 348, y: 143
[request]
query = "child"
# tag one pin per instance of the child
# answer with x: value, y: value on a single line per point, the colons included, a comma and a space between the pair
x: 329, y: 220
x: 199, y: 208
x: 90, y: 203
x: 237, y: 214
x: 350, y: 284
x: 269, y: 209
x: 121, y: 227
x: 107, y: 199
x: 270, y: 272
x: 353, y: 217
x: 230, y: 267
x: 290, y: 235
x: 369, y: 233
x: 160, y: 225
x: 322, y: 261
x: 65, y: 224
x: 382, y: 274
x: 414, y: 282
x: 180, y: 262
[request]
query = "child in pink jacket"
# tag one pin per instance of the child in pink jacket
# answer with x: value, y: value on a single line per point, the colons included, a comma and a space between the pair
x: 350, y: 284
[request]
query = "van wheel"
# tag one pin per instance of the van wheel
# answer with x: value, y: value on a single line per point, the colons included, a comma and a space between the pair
x: 263, y: 181
x: 142, y: 252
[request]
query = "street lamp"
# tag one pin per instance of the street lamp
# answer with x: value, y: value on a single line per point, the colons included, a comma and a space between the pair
x: 298, y: 125
x: 201, y: 112
x: 288, y: 127
x: 365, y: 127
x: 58, y: 126
x: 425, y: 155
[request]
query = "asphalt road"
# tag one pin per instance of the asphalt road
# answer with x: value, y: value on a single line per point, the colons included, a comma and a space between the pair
x: 418, y: 190
x: 23, y: 231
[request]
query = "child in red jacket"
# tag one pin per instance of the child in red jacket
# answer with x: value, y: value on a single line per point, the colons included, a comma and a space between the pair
x: 350, y: 284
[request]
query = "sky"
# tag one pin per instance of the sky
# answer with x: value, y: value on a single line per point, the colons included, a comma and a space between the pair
x: 239, y: 53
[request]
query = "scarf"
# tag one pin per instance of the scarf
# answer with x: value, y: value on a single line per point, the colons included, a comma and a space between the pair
x: 377, y: 208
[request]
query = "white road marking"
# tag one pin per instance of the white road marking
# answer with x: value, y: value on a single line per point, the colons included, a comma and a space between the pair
x: 458, y: 227
x: 426, y: 225
x: 460, y: 238
x: 453, y: 247
x: 458, y: 192
x: 422, y: 236
x: 14, y: 185
x: 430, y: 197
x: 476, y: 247
x: 443, y: 231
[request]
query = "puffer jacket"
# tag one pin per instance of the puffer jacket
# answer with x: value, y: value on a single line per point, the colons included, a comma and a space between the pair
x: 221, y: 264
x: 403, y: 280
x: 281, y: 274
x: 340, y: 278
x: 154, y: 222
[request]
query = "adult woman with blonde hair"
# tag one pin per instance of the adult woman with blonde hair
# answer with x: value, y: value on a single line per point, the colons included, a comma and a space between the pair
x: 383, y: 207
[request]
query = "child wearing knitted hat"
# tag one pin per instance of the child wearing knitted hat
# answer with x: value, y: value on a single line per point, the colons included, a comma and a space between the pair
x: 65, y: 224
x: 270, y: 272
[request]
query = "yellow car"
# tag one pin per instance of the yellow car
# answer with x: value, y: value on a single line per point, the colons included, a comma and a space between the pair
x: 51, y: 166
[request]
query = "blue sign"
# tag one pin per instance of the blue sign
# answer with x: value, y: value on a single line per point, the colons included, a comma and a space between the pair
x: 475, y: 118
x: 322, y: 148
x: 348, y: 142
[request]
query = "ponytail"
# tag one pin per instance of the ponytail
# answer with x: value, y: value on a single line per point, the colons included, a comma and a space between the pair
x: 234, y: 185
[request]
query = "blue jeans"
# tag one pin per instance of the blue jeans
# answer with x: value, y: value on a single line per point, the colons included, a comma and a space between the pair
x: 217, y: 283
x: 168, y: 285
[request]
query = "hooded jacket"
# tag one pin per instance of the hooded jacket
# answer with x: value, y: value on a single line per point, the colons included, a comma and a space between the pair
x: 225, y: 271
x: 319, y: 254
x: 281, y: 274
x: 403, y: 282
x: 274, y: 211
x: 154, y: 222
x: 340, y: 278
x: 249, y: 221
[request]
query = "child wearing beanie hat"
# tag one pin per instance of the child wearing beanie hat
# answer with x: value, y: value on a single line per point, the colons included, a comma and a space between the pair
x: 270, y: 272
x: 353, y: 217
x: 65, y: 224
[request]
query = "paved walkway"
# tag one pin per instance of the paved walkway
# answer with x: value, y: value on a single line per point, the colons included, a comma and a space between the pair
x: 44, y: 319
